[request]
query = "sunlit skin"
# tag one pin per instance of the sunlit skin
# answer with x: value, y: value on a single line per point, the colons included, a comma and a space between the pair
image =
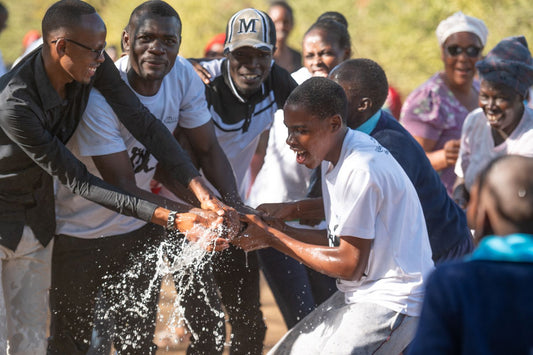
x: 313, y: 139
x: 248, y: 68
x: 458, y: 75
x: 460, y: 70
x: 80, y: 64
x: 153, y: 48
x: 503, y: 107
x: 321, y: 52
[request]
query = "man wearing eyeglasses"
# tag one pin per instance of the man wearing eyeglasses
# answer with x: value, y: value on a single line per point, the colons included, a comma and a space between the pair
x: 41, y: 102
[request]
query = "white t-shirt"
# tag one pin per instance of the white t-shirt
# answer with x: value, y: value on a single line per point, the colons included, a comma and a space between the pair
x: 477, y: 145
x: 180, y: 98
x: 281, y: 178
x: 368, y: 195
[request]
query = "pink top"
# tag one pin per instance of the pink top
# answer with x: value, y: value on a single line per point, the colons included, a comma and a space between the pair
x: 433, y: 112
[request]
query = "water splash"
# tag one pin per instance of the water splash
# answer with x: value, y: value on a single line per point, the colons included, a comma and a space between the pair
x: 175, y: 256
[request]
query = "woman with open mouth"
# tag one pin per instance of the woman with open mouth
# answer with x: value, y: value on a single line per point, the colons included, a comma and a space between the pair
x: 502, y: 124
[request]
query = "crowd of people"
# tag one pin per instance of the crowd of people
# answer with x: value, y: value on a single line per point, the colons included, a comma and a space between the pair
x: 379, y: 232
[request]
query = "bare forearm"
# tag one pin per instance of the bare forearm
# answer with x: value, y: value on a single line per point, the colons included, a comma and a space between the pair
x: 175, y: 187
x: 324, y: 259
x: 218, y: 171
x: 310, y: 236
x: 160, y: 200
x: 312, y: 208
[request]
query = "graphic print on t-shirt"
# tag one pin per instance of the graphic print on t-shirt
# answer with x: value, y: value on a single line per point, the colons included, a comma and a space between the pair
x: 140, y: 158
x: 333, y: 239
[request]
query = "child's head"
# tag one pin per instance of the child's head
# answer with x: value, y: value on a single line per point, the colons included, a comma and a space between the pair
x: 315, y: 117
x: 325, y: 44
x: 366, y: 87
x: 501, y: 200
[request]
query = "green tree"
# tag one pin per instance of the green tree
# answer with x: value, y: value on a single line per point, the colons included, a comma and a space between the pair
x: 400, y: 35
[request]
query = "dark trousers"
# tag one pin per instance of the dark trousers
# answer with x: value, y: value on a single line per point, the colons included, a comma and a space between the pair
x: 237, y: 277
x: 107, y: 285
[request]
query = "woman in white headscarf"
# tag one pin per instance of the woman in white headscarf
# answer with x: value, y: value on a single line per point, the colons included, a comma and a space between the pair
x: 434, y: 112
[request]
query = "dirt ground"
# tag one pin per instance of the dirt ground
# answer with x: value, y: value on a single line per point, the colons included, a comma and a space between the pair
x: 171, y: 341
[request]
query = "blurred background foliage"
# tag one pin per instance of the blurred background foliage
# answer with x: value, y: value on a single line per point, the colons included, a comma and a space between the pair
x: 398, y: 34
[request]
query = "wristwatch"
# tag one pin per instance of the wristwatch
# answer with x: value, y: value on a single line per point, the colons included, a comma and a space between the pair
x: 171, y: 221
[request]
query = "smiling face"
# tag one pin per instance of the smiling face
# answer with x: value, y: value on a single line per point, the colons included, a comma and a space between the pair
x: 502, y: 105
x: 80, y: 63
x: 460, y: 69
x: 321, y: 52
x: 309, y: 136
x: 153, y: 43
x: 248, y: 68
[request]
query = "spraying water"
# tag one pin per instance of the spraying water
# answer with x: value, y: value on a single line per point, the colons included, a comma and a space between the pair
x: 175, y: 256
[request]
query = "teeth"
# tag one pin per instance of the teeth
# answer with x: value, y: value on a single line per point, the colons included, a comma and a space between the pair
x: 492, y: 118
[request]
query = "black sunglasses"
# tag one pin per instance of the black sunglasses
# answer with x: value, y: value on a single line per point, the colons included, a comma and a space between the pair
x: 471, y: 51
x: 97, y: 52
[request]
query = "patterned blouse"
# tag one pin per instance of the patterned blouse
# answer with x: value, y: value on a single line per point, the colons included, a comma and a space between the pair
x: 433, y: 112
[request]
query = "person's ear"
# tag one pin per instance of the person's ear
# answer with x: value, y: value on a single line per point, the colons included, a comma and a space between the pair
x: 365, y: 104
x: 347, y: 53
x: 126, y: 41
x: 335, y: 122
x: 59, y: 47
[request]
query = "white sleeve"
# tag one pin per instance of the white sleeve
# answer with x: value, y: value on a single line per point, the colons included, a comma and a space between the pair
x: 213, y: 66
x: 99, y: 130
x: 463, y: 160
x: 193, y: 108
x: 357, y: 214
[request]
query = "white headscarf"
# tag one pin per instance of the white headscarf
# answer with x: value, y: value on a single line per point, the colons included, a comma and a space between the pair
x: 459, y: 22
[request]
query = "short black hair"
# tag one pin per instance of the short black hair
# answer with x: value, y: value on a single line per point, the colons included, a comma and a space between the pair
x: 367, y: 79
x: 335, y: 16
x: 155, y: 7
x: 509, y: 181
x: 3, y: 8
x: 322, y: 97
x: 284, y: 5
x: 64, y: 14
x: 335, y: 28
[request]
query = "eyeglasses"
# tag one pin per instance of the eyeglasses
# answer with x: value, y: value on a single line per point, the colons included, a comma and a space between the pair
x: 471, y: 51
x: 97, y: 52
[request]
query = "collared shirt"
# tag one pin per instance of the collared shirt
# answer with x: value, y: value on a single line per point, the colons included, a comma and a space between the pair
x: 369, y: 125
x: 510, y: 248
x: 36, y: 123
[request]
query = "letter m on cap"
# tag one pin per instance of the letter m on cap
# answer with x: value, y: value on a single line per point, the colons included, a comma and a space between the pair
x: 247, y: 27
